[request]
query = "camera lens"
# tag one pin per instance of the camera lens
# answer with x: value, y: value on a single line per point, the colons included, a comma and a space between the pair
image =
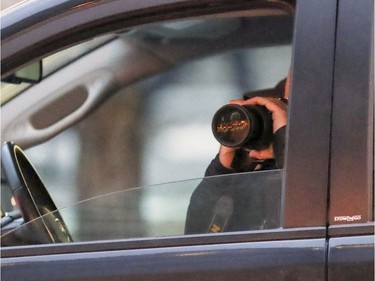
x: 231, y: 125
x: 243, y: 126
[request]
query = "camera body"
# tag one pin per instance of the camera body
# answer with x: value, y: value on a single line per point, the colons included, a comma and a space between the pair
x: 247, y: 126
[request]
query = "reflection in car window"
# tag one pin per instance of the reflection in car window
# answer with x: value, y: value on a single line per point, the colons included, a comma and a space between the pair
x: 54, y: 62
x: 256, y: 206
x: 159, y: 129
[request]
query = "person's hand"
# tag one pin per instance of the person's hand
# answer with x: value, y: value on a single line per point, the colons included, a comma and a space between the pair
x: 277, y: 107
x: 226, y: 155
x: 279, y: 116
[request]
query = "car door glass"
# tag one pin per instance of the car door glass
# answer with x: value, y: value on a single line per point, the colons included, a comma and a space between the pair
x: 157, y: 129
x: 162, y: 211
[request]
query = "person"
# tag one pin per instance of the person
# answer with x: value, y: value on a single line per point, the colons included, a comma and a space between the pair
x: 214, y: 206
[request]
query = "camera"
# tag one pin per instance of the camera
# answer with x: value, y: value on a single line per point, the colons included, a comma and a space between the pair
x: 247, y: 126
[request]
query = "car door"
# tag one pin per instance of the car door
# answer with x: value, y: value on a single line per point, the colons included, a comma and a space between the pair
x: 297, y: 249
x: 351, y: 221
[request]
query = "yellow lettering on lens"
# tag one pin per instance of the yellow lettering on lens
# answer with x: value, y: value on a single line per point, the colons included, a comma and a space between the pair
x: 232, y: 126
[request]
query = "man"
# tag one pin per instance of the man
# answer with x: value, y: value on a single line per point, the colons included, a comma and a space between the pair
x: 215, y: 205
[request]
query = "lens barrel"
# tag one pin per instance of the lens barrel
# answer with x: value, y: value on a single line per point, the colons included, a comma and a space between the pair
x: 248, y: 126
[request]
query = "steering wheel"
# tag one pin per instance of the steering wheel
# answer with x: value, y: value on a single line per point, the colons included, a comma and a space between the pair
x: 32, y: 198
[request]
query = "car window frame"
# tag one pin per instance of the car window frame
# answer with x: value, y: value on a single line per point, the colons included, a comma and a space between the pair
x: 305, y: 82
x: 312, y: 82
x: 75, y: 17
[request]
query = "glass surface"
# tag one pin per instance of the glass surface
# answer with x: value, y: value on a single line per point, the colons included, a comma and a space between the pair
x: 51, y: 64
x: 159, y: 129
x: 256, y: 205
x: 156, y: 130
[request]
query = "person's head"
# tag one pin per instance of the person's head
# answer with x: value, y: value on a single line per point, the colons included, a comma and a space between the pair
x: 272, y: 100
x: 279, y: 116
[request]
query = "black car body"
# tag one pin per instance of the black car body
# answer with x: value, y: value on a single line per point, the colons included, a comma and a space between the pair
x: 325, y: 201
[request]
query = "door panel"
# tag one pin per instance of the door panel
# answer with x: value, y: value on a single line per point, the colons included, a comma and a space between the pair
x: 277, y: 260
x: 351, y: 258
x: 304, y: 197
x: 352, y: 123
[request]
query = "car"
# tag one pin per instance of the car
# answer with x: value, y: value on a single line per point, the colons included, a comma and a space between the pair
x: 106, y: 111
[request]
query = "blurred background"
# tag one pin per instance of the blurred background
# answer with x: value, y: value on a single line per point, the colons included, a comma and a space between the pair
x: 157, y: 131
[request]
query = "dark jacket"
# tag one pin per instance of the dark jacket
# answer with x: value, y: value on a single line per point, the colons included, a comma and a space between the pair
x: 224, y: 203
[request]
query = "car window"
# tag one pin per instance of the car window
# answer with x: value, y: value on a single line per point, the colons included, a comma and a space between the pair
x: 158, y: 130
x: 160, y: 210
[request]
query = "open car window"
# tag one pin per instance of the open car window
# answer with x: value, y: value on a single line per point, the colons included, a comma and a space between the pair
x: 145, y: 101
x: 162, y: 210
x: 158, y: 129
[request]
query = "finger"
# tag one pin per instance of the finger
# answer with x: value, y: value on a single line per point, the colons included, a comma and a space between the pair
x: 276, y: 107
x: 271, y: 104
x: 226, y: 155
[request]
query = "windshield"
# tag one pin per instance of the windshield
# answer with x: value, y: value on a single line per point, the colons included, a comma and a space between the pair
x: 167, y: 210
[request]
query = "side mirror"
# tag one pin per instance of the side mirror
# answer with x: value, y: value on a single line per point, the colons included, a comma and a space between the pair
x: 32, y: 73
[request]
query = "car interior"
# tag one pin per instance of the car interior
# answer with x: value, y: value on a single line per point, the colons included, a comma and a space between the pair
x: 118, y: 127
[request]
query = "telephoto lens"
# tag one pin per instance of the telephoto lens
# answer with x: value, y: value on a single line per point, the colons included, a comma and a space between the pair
x: 248, y: 126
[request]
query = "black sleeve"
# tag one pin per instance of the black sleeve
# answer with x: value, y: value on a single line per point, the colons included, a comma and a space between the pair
x: 241, y: 163
x: 216, y: 168
x: 205, y: 196
x: 211, y: 189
